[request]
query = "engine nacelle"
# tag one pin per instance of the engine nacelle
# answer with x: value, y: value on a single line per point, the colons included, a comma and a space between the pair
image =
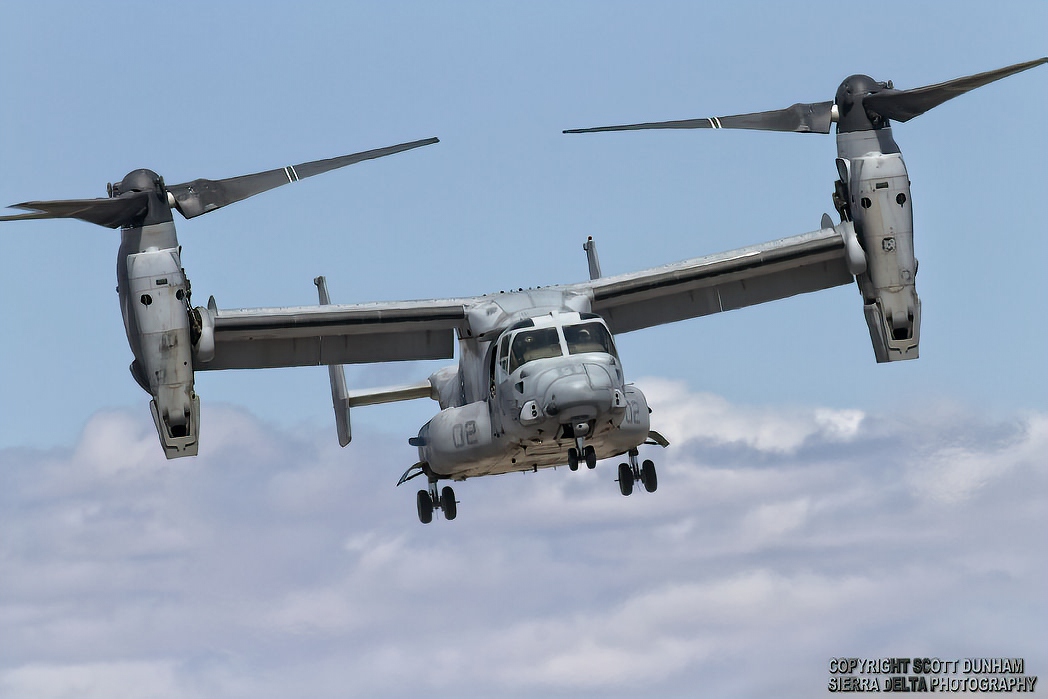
x: 164, y: 363
x: 458, y: 435
x: 879, y: 194
x: 635, y: 425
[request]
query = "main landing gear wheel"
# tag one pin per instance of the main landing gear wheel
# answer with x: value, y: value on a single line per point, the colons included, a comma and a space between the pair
x: 625, y: 479
x: 447, y: 503
x: 631, y: 473
x: 573, y: 459
x: 648, y: 477
x: 590, y: 455
x: 429, y: 500
x: 425, y: 507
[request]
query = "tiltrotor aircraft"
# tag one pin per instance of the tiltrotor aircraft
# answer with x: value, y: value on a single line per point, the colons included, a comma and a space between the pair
x: 538, y: 382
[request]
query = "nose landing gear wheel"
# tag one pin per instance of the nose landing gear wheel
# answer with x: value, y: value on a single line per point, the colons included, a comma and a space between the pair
x: 648, y: 477
x: 425, y: 507
x: 625, y: 479
x: 591, y: 457
x: 573, y: 459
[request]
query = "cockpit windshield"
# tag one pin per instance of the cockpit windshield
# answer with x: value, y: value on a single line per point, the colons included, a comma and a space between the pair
x: 589, y: 337
x: 530, y: 345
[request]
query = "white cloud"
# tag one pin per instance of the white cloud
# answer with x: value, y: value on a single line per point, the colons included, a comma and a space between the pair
x: 152, y: 680
x: 683, y: 415
x: 954, y: 473
x: 114, y: 443
x: 776, y: 519
x: 275, y: 563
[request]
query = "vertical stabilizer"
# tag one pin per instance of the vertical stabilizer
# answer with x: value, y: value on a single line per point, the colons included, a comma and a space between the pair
x: 591, y: 257
x: 339, y: 394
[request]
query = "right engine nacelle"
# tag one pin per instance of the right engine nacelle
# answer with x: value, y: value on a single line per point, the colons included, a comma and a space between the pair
x: 164, y: 361
x: 880, y: 205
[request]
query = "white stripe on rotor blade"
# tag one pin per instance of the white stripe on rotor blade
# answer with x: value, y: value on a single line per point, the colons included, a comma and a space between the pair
x: 716, y: 123
x: 292, y: 176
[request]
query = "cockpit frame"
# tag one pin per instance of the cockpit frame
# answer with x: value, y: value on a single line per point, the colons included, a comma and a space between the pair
x: 556, y: 335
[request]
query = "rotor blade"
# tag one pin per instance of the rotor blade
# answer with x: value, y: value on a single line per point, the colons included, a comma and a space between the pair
x: 111, y: 213
x: 903, y: 105
x: 800, y: 118
x: 200, y: 196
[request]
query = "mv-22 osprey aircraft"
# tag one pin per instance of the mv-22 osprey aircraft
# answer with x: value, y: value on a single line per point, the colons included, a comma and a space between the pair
x: 539, y: 382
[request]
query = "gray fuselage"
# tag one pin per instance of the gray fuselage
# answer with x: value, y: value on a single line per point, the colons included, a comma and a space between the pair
x: 537, y: 373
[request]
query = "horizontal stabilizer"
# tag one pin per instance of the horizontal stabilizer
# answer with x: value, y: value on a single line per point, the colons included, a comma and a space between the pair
x: 392, y: 394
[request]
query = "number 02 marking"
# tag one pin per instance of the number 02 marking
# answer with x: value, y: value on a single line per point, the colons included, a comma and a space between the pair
x: 632, y: 413
x: 464, y: 434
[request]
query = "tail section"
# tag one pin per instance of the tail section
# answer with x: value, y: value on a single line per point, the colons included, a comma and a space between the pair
x: 339, y: 394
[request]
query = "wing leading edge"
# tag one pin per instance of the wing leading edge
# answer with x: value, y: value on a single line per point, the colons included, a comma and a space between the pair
x: 721, y: 282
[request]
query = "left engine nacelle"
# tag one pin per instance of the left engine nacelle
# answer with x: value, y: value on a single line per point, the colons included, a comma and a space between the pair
x: 159, y: 297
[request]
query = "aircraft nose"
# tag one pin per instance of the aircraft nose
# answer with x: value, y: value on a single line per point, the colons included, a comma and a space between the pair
x: 580, y: 396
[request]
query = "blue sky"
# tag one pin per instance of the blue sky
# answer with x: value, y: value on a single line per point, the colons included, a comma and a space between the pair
x: 778, y: 414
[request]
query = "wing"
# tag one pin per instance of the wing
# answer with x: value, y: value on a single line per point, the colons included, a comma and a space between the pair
x: 721, y: 282
x: 259, y: 338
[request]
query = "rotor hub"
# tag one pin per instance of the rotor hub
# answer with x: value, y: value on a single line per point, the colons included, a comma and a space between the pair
x: 141, y: 180
x: 852, y: 114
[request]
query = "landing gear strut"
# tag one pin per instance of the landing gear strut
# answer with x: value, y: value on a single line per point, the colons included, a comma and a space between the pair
x: 631, y: 473
x: 428, y: 500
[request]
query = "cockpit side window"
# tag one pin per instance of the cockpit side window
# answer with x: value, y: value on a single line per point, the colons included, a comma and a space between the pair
x: 589, y: 337
x: 529, y: 345
x: 504, y: 352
